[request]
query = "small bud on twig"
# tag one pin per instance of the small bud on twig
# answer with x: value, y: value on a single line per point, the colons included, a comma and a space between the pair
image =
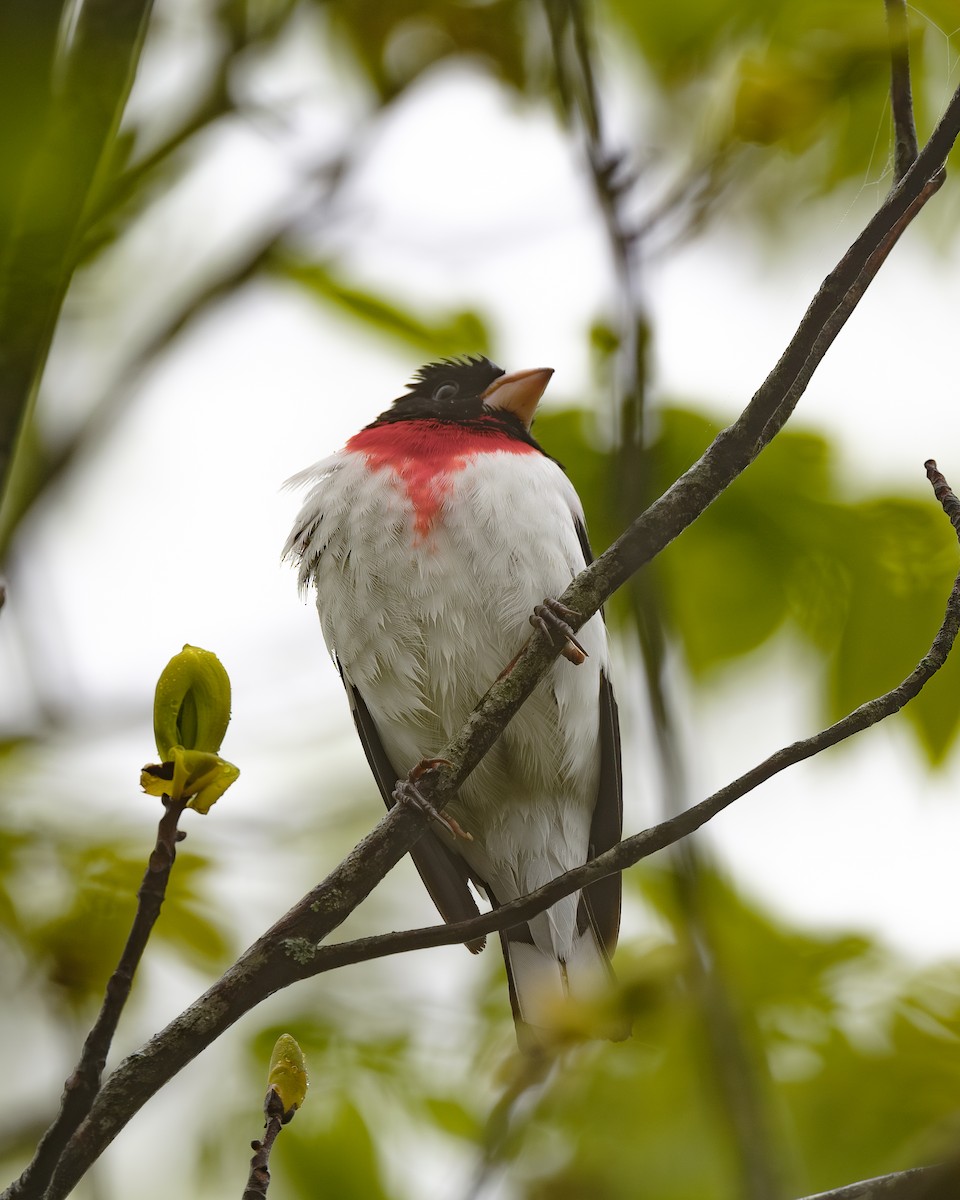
x: 288, y: 1076
x: 286, y: 1089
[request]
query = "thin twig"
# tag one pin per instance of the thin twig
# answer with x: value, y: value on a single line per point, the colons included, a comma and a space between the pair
x: 901, y: 95
x: 258, y: 1180
x: 81, y: 1087
x: 123, y: 182
x: 276, y: 959
x: 580, y: 98
x: 942, y: 491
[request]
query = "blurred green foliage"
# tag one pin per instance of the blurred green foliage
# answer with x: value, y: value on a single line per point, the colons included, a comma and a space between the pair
x: 864, y: 581
x: 837, y: 1027
x: 394, y: 44
x: 764, y: 104
x: 441, y: 337
x: 70, y: 900
x: 856, y: 1055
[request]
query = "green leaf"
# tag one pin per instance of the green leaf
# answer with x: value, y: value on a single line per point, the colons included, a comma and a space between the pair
x: 437, y: 337
x: 191, y: 706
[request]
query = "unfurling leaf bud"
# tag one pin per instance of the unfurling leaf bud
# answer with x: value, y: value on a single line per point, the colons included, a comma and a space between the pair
x: 287, y: 1079
x: 195, y: 774
x: 191, y: 712
x: 192, y: 705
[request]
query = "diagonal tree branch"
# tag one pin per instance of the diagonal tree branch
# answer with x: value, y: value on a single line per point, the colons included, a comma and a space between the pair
x: 738, y: 445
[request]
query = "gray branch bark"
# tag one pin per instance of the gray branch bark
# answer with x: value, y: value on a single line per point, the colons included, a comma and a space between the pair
x: 941, y: 1182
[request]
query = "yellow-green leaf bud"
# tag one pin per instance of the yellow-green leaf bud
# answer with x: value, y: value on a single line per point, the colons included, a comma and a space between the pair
x: 191, y: 713
x: 288, y: 1074
x: 192, y: 704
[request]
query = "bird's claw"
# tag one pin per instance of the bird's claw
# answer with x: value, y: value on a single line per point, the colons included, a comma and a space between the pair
x: 407, y: 792
x: 553, y: 619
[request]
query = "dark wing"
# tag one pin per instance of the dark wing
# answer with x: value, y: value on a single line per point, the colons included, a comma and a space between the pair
x: 603, y: 897
x: 443, y: 872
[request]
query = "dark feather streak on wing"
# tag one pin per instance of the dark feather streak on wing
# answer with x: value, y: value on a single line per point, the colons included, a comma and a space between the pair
x: 443, y: 872
x: 606, y: 829
x: 584, y: 541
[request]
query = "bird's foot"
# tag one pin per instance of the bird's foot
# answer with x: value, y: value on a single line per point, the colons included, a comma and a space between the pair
x: 553, y: 619
x: 407, y: 792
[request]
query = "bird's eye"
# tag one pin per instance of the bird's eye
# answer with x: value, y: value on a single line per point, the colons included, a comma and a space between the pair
x: 446, y: 391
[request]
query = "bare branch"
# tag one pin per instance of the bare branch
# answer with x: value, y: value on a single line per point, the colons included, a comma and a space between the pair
x: 738, y: 445
x: 258, y: 1181
x: 901, y: 95
x: 942, y: 491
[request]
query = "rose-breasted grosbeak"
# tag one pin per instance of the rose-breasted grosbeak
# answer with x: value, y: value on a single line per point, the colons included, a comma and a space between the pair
x: 430, y: 538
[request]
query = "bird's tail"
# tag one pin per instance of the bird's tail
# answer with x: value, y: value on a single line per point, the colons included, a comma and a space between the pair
x: 540, y: 981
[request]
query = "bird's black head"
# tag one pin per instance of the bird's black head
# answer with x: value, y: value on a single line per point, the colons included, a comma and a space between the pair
x: 449, y: 390
x: 471, y: 390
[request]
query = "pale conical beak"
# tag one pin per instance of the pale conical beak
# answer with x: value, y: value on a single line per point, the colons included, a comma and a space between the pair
x: 518, y: 393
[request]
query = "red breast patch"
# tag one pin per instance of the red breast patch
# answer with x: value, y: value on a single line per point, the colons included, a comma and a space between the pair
x: 426, y: 455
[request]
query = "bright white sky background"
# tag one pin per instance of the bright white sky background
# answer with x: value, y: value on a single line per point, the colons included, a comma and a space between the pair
x: 172, y: 532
